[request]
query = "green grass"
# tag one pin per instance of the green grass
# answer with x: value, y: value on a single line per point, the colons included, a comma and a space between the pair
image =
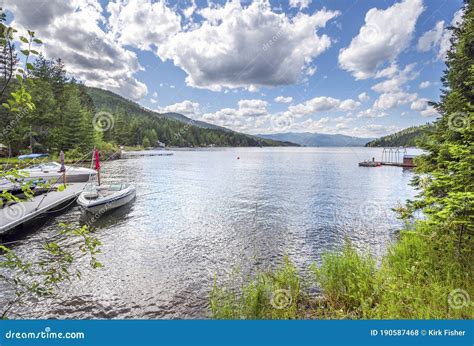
x: 422, y: 276
x: 271, y: 295
x: 348, y: 281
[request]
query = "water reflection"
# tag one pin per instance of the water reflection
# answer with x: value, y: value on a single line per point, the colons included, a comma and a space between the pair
x: 198, y: 214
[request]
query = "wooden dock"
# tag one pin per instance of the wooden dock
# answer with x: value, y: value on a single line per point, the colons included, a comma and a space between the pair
x: 16, y: 214
x: 130, y: 154
x: 382, y: 163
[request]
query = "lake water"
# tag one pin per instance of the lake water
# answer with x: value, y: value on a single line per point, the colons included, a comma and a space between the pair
x: 207, y: 213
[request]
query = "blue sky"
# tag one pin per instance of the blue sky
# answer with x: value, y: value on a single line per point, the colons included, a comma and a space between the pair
x: 362, y: 68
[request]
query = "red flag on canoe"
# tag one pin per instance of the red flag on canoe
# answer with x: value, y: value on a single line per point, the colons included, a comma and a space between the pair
x: 97, y: 162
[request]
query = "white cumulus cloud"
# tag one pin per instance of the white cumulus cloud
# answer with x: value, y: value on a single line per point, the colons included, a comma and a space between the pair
x: 141, y: 23
x: 385, y: 34
x: 238, y: 46
x: 185, y: 107
x: 421, y: 105
x: 438, y: 38
x: 300, y: 3
x: 363, y: 97
x: 283, y: 99
x: 71, y: 31
x: 321, y: 104
x: 424, y: 84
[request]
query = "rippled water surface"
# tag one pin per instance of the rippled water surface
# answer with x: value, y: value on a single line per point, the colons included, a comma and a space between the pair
x: 204, y: 213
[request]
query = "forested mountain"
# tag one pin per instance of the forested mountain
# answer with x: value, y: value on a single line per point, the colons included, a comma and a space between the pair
x: 404, y: 138
x: 135, y: 125
x: 318, y: 139
x: 71, y: 116
x: 107, y: 100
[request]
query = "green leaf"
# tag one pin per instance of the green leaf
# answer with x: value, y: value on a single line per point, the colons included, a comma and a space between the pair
x: 25, y: 52
x: 32, y: 51
x: 24, y: 39
x: 30, y: 66
x: 6, y: 105
x: 37, y: 40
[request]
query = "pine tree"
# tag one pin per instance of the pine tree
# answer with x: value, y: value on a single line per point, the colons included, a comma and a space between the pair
x: 73, y: 115
x: 87, y: 131
x: 447, y: 171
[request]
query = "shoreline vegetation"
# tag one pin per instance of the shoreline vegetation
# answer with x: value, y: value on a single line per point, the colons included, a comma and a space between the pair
x: 427, y: 273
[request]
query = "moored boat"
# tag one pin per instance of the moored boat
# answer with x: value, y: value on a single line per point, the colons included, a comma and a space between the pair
x: 51, y: 171
x: 101, y: 198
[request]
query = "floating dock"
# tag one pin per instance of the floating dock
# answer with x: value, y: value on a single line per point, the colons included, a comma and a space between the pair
x: 130, y: 154
x: 397, y: 157
x: 16, y: 214
x: 382, y: 163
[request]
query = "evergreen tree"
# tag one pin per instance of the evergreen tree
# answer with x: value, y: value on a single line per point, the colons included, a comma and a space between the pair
x: 73, y: 119
x: 87, y: 131
x: 447, y: 180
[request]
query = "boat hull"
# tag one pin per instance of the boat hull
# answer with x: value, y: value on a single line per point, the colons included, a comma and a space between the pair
x: 58, y: 177
x: 106, y: 204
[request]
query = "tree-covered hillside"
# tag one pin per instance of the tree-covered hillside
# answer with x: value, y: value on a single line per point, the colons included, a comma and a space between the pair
x: 135, y: 125
x: 404, y: 138
x: 70, y: 116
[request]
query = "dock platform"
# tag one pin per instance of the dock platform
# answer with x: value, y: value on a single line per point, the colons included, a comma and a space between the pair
x: 16, y: 214
x: 131, y: 154
x: 382, y: 163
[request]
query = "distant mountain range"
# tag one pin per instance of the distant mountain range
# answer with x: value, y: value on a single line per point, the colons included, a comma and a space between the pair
x: 404, y: 138
x: 310, y: 139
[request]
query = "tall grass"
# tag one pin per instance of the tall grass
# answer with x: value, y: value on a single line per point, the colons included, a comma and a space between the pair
x: 348, y: 281
x: 422, y: 276
x: 271, y: 295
